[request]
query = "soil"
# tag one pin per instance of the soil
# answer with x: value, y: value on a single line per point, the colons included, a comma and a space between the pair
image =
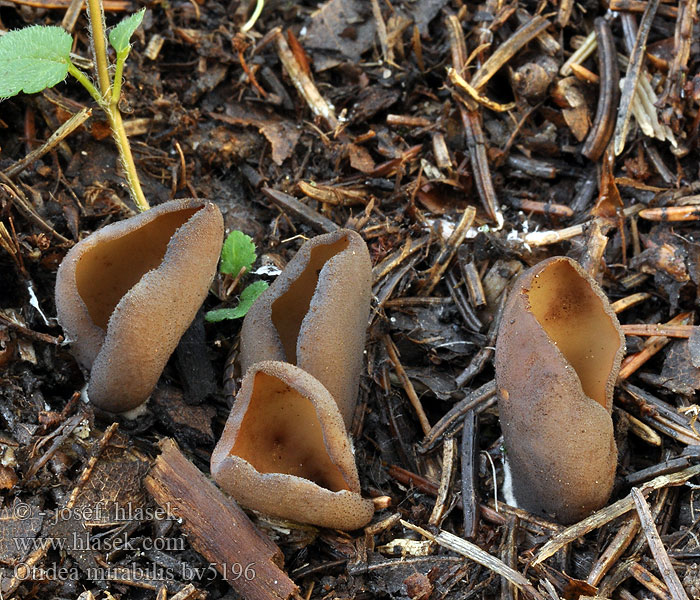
x: 454, y: 139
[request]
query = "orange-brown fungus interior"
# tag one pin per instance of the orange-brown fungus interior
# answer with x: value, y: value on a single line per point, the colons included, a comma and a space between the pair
x: 573, y: 316
x: 109, y: 270
x: 280, y: 433
x: 289, y: 310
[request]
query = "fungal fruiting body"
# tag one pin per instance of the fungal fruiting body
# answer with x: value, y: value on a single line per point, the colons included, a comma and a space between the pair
x: 314, y: 315
x: 126, y: 294
x: 285, y: 452
x: 558, y: 353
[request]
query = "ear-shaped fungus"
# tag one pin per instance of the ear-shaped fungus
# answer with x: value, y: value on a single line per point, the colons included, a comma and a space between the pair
x: 285, y: 452
x: 127, y: 293
x: 558, y: 354
x: 314, y: 315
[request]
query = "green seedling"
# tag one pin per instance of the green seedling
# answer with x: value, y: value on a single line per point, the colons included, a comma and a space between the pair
x: 237, y: 257
x: 38, y: 57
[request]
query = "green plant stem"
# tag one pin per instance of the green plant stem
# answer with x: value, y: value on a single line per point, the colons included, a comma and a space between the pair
x: 118, y: 74
x: 122, y: 141
x: 99, y: 44
x: 108, y: 99
x: 86, y: 83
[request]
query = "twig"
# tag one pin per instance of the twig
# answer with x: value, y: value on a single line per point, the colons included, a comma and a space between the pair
x: 682, y: 40
x: 478, y: 399
x: 451, y: 245
x: 480, y: 165
x: 671, y: 213
x: 607, y: 514
x: 652, y: 346
x: 623, y: 538
x: 406, y: 383
x: 387, y: 51
x: 473, y: 552
x: 449, y: 450
x: 56, y: 138
x: 629, y: 301
x: 649, y: 580
x: 470, y: 471
x: 217, y: 528
x: 634, y: 68
x: 303, y: 83
x: 30, y: 333
x: 508, y: 49
x: 657, y: 548
x: 300, y: 210
x: 660, y: 329
x: 608, y: 93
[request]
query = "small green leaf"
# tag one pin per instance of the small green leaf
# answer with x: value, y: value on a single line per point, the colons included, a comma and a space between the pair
x: 248, y: 296
x: 238, y: 252
x: 119, y: 36
x: 33, y: 59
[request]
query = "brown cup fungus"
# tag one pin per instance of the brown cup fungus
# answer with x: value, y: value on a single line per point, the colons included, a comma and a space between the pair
x: 314, y: 315
x: 126, y: 294
x: 285, y: 452
x: 558, y: 354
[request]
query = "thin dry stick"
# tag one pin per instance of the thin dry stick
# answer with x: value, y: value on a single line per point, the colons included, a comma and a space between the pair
x: 448, y: 455
x: 629, y: 301
x: 671, y: 213
x: 623, y: 538
x: 634, y: 68
x: 657, y: 548
x: 649, y: 329
x: 387, y: 51
x: 508, y: 49
x: 303, y: 82
x: 473, y: 552
x: 607, y: 514
x: 89, y: 467
x: 406, y: 383
x: 652, y: 346
x: 608, y: 93
x: 649, y: 580
x: 56, y: 138
x: 682, y: 40
x: 451, y: 246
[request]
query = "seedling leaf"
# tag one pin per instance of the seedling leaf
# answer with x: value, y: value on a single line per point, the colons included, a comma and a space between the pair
x: 120, y: 36
x: 33, y: 59
x: 238, y: 252
x: 248, y: 296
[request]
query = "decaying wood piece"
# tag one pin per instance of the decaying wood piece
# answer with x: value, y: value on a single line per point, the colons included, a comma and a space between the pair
x: 217, y: 528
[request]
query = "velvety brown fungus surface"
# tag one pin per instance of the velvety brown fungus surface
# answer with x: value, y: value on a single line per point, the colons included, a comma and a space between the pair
x: 315, y: 315
x: 289, y: 310
x: 285, y: 452
x: 558, y: 353
x: 107, y: 271
x: 281, y: 433
x: 127, y: 293
x: 574, y: 318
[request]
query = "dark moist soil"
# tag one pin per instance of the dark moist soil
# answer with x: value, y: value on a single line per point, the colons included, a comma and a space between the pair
x: 407, y: 155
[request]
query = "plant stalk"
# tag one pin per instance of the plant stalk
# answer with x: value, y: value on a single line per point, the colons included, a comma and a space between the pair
x: 108, y: 99
x: 122, y: 141
x: 99, y: 45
